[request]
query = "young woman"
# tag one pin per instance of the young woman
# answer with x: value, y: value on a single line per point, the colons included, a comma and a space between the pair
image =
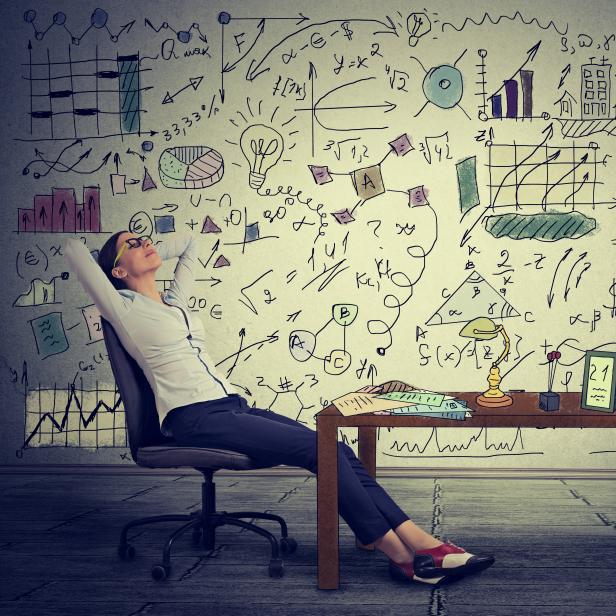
x: 199, y: 407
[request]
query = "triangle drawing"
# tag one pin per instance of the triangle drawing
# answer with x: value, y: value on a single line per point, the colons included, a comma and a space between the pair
x: 147, y: 183
x: 475, y: 297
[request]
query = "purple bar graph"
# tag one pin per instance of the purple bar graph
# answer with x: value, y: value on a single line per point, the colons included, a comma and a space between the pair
x: 511, y: 90
x: 497, y: 107
x: 91, y: 209
x: 526, y: 77
x: 26, y: 219
x: 60, y: 212
x: 42, y: 213
x: 63, y: 210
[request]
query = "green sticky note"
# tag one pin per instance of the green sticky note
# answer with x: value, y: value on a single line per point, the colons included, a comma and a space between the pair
x: 467, y: 183
x: 600, y: 378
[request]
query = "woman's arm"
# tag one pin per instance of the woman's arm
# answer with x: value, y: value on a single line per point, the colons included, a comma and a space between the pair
x: 109, y: 302
x: 183, y: 246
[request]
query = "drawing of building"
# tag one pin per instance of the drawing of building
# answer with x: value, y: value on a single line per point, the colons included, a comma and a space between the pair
x: 566, y: 104
x: 595, y: 91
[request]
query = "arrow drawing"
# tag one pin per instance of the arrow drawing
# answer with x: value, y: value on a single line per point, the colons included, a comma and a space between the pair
x: 586, y: 267
x: 550, y: 296
x: 57, y: 165
x: 555, y: 184
x: 531, y: 53
x: 193, y: 82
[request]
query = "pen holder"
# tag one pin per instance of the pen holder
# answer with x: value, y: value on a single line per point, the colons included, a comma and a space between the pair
x: 549, y: 401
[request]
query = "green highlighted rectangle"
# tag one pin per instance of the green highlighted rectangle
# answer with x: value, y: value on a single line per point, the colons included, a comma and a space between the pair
x: 467, y: 183
x: 130, y: 93
x: 551, y: 226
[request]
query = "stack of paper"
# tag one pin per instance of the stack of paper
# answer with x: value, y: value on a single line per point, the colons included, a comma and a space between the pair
x: 427, y: 404
x: 417, y: 402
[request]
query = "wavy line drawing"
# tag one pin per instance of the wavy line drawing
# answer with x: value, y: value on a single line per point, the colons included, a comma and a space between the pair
x: 517, y: 14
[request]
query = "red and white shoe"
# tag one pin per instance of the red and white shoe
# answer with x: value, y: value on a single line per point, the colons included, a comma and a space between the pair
x: 405, y: 572
x: 448, y: 558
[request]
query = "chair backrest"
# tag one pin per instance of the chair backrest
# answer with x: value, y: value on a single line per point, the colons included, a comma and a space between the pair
x: 137, y: 395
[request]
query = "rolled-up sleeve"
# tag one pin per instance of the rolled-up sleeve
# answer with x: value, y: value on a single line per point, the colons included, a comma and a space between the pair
x: 184, y: 246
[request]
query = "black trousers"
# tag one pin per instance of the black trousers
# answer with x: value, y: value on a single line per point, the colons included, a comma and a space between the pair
x: 271, y: 439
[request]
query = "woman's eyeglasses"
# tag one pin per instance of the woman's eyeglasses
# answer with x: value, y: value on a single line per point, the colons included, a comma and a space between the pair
x: 132, y: 242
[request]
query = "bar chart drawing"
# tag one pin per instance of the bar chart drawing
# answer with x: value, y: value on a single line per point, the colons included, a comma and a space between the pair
x: 60, y: 212
x: 88, y: 98
x: 74, y: 417
x: 513, y: 100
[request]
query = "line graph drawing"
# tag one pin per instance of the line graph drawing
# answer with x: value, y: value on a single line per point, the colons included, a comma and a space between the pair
x: 98, y: 21
x: 360, y: 122
x: 542, y: 175
x: 183, y: 36
x: 61, y: 167
x: 40, y: 292
x: 475, y: 446
x: 84, y: 98
x: 74, y: 417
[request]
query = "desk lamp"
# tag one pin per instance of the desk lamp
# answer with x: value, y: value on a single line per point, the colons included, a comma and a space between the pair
x: 483, y: 328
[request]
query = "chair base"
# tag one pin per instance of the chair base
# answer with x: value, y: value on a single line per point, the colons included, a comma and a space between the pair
x: 204, y: 523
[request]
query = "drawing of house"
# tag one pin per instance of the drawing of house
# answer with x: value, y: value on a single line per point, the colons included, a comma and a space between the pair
x: 566, y: 104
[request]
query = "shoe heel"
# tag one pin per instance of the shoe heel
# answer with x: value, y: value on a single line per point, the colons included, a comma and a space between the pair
x: 398, y: 574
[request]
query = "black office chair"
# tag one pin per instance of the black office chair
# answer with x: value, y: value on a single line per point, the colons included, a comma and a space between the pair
x: 150, y: 448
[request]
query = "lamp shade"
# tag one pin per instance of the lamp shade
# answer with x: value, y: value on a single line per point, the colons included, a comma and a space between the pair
x: 481, y: 328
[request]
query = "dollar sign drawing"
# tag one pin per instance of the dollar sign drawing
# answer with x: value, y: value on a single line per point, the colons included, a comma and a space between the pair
x: 612, y: 292
x: 347, y: 31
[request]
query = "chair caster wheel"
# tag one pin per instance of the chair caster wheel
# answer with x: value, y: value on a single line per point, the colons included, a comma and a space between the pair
x: 288, y: 545
x: 126, y: 551
x: 197, y: 534
x: 276, y: 569
x: 160, y: 572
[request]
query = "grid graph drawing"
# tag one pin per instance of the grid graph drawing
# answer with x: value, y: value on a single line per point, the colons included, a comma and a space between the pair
x: 74, y: 417
x: 542, y: 177
x: 84, y: 98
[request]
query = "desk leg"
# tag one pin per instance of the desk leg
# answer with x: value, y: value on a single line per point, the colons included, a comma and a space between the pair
x: 366, y: 447
x: 327, y: 504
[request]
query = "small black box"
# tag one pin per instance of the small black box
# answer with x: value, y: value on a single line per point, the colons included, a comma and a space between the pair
x: 549, y: 401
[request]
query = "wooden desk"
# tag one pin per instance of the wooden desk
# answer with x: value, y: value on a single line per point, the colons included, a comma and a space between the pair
x: 524, y: 412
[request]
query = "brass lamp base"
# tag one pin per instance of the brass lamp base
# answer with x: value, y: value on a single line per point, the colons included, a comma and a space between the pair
x: 503, y: 400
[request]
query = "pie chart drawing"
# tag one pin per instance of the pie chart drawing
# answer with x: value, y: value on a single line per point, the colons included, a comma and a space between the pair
x: 190, y: 167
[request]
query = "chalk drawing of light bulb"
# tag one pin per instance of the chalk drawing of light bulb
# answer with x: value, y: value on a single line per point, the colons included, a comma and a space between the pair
x: 262, y: 147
